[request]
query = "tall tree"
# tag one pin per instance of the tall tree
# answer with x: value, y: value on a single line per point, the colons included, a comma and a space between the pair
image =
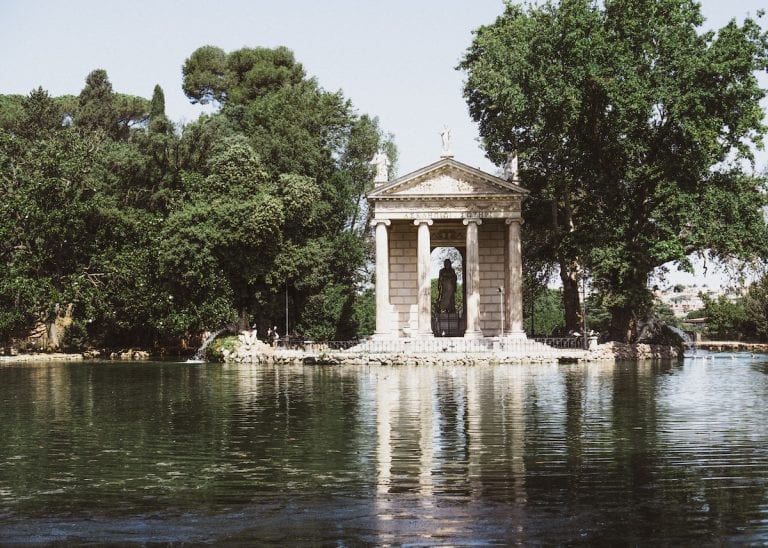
x: 756, y: 303
x: 101, y: 108
x: 49, y: 221
x: 40, y: 114
x: 315, y: 151
x: 633, y: 128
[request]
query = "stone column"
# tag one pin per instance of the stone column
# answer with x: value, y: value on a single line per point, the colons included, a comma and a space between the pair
x: 425, y: 287
x: 514, y: 308
x: 383, y: 327
x: 472, y: 280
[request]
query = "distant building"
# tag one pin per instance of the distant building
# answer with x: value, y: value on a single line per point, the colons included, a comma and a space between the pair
x: 683, y: 299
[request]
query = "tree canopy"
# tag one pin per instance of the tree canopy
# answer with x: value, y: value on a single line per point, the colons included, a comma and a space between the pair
x: 155, y: 233
x: 635, y: 131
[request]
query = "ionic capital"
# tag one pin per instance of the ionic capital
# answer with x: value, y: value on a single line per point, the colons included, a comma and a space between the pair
x: 385, y: 222
x: 417, y: 222
x: 517, y: 220
x: 475, y: 221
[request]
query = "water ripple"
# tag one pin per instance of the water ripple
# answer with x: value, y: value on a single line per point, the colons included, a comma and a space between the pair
x: 512, y: 454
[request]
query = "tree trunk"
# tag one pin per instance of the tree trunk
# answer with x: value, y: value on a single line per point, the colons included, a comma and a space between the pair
x: 242, y: 323
x: 569, y: 275
x: 623, y: 325
x: 569, y: 269
x: 634, y: 304
x: 53, y: 329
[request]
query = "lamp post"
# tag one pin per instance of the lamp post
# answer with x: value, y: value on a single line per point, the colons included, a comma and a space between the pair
x: 286, y: 311
x: 584, y: 310
x: 501, y: 309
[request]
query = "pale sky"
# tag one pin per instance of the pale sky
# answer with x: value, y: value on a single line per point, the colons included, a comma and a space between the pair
x: 394, y: 59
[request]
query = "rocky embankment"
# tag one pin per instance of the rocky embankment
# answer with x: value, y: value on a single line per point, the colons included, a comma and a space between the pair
x: 124, y: 355
x: 622, y: 351
x: 251, y: 350
x: 41, y: 357
x: 731, y: 346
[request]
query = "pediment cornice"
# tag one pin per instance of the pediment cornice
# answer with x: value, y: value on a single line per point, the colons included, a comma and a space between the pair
x: 449, y: 180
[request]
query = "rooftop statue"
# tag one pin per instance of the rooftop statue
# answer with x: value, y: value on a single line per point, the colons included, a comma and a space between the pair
x: 381, y: 161
x: 445, y: 137
x: 510, y: 167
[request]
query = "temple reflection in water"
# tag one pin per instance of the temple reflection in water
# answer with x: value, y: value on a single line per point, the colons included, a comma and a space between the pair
x: 384, y: 455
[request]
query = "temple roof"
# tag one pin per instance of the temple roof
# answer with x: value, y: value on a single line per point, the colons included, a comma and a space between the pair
x: 447, y: 178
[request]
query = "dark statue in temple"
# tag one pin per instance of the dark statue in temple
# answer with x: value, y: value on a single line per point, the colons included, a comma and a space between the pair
x: 446, y: 288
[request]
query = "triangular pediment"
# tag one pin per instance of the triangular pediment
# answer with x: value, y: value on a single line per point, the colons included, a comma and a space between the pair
x: 447, y: 178
x: 445, y: 183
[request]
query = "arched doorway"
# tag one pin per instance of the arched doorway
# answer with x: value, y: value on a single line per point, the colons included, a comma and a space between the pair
x: 448, y: 291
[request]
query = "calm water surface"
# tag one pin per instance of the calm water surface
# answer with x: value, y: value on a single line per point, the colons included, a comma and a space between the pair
x: 198, y: 453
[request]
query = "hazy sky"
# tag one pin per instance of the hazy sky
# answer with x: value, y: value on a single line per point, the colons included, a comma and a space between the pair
x: 394, y: 59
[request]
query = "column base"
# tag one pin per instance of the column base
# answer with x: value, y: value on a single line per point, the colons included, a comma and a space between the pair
x: 518, y: 335
x: 384, y: 336
x: 473, y: 334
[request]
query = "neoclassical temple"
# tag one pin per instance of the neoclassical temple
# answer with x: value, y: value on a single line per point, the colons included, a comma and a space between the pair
x: 447, y: 204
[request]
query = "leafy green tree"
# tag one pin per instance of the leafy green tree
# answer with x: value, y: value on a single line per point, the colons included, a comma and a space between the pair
x: 101, y: 108
x: 365, y: 312
x: 544, y: 315
x: 75, y: 226
x: 157, y: 104
x: 48, y: 222
x: 315, y: 151
x: 158, y: 121
x: 205, y: 75
x: 726, y: 318
x: 222, y: 242
x: 330, y: 314
x: 40, y: 114
x: 632, y: 126
x: 10, y: 111
x: 756, y: 305
x: 152, y: 235
x: 96, y: 104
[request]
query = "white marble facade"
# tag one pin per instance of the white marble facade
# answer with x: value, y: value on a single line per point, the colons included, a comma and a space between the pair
x: 448, y: 204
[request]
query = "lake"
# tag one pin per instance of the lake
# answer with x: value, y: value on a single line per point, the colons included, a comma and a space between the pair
x: 208, y: 453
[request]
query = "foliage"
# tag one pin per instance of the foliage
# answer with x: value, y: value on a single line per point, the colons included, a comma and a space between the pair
x: 329, y: 315
x: 100, y: 108
x: 75, y: 338
x: 314, y: 150
x: 631, y: 126
x: 544, y: 315
x: 214, y: 351
x: 364, y: 313
x: 156, y: 233
x: 665, y: 313
x: 726, y: 318
x: 49, y: 223
x: 756, y: 306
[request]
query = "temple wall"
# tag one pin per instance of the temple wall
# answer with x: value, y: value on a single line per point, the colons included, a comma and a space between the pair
x: 492, y: 266
x: 403, y: 282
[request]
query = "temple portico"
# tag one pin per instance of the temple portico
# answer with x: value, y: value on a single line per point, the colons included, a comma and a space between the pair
x: 448, y: 204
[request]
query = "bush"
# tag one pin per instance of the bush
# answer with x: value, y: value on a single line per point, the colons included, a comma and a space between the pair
x: 75, y: 337
x: 726, y: 319
x: 330, y: 314
x: 214, y: 351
